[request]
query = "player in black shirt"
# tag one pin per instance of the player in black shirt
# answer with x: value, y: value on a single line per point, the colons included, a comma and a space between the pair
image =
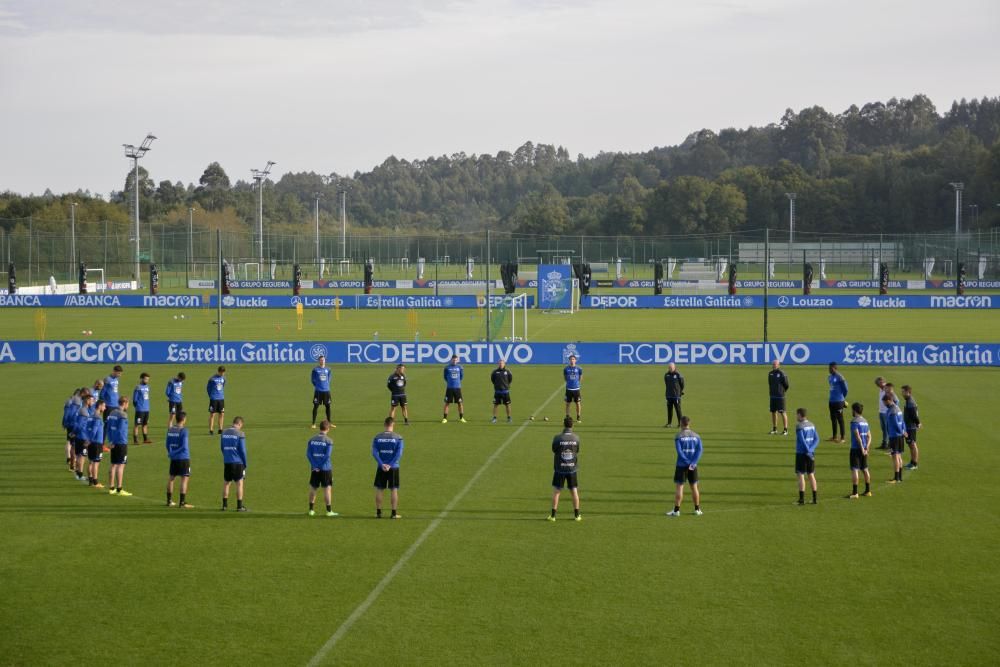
x: 777, y: 384
x: 501, y: 379
x: 674, y: 382
x: 397, y: 393
x: 912, y: 420
x: 565, y: 448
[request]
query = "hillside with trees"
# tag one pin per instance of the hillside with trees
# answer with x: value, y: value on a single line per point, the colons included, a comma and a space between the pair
x: 883, y: 167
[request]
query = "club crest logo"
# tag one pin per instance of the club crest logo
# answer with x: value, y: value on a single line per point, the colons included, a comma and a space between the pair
x: 553, y: 289
x: 317, y: 351
x: 864, y: 301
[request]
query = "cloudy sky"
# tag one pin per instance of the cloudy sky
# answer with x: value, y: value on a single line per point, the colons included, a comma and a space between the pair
x: 339, y: 85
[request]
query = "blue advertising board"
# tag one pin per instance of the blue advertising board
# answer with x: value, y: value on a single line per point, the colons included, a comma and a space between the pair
x: 797, y: 302
x: 555, y: 286
x: 357, y: 301
x: 390, y: 353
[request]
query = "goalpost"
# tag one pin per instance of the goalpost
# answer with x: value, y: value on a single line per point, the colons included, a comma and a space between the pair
x: 522, y: 300
x: 98, y: 286
x: 246, y: 270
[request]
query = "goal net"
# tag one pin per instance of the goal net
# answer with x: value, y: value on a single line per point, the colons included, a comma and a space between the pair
x: 95, y: 280
x: 508, y: 319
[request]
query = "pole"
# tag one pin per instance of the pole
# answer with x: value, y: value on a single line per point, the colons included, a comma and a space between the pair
x: 343, y: 224
x: 260, y: 222
x: 190, y: 235
x: 488, y: 336
x: 767, y: 267
x: 220, y: 276
x: 135, y: 187
x: 72, y: 240
x: 317, y: 234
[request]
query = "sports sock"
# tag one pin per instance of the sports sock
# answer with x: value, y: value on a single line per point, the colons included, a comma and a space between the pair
x: 553, y: 513
x: 170, y: 497
x: 854, y: 489
x: 239, y: 504
x: 329, y: 508
x: 225, y: 503
x: 576, y: 512
x: 118, y: 489
x: 182, y: 498
x: 868, y: 487
x: 677, y: 508
x: 315, y: 408
x: 394, y: 512
x: 312, y: 506
x: 814, y: 497
x: 802, y: 496
x: 328, y: 418
x: 378, y: 514
x: 697, y: 508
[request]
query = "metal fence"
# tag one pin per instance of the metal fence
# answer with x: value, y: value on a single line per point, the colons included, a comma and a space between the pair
x: 183, y: 253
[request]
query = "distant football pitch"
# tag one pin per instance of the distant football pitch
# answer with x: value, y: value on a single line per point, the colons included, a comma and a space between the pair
x: 473, y: 574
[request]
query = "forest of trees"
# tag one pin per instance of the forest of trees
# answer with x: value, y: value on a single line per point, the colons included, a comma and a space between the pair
x: 883, y: 167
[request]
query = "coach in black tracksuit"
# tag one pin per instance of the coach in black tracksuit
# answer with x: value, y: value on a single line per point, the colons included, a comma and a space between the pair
x: 675, y: 389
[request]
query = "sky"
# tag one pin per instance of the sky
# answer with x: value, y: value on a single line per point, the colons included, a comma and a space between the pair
x: 337, y: 86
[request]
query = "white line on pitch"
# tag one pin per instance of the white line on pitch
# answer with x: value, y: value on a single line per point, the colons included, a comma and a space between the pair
x: 360, y: 610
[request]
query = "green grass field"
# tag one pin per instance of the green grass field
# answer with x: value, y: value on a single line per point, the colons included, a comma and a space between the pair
x: 473, y: 574
x: 463, y: 325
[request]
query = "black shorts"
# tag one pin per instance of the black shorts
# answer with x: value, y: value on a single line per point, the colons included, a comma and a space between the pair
x: 119, y: 455
x: 398, y: 399
x: 911, y: 435
x: 567, y: 479
x: 318, y: 478
x: 95, y: 453
x: 453, y: 395
x: 69, y: 435
x: 321, y: 398
x: 233, y: 472
x: 141, y: 418
x: 501, y: 398
x: 778, y: 404
x: 859, y: 460
x: 79, y: 446
x: 683, y: 473
x: 174, y: 408
x: 180, y: 467
x: 386, y: 479
x: 897, y: 444
x: 837, y: 409
x: 804, y: 464
x: 572, y: 395
x: 216, y: 406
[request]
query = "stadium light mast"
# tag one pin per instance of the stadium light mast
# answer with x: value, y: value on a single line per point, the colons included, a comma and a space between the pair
x: 316, y: 196
x: 791, y: 218
x: 135, y: 153
x: 958, y: 187
x: 259, y: 175
x: 72, y: 237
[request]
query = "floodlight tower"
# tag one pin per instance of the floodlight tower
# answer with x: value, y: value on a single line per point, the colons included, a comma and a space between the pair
x: 259, y: 176
x: 134, y: 153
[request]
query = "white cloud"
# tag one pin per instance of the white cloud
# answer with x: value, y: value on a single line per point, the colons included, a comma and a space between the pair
x: 344, y: 85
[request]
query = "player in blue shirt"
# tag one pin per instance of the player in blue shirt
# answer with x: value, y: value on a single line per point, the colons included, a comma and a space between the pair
x: 79, y: 426
x: 95, y: 440
x: 838, y: 401
x: 321, y: 389
x: 179, y: 454
x: 689, y: 448
x: 140, y: 401
x: 70, y: 410
x: 117, y: 431
x: 109, y: 392
x: 234, y: 462
x: 216, y: 389
x: 806, y: 440
x: 319, y: 450
x: 453, y: 375
x: 573, y: 374
x: 896, y: 426
x: 387, y: 449
x: 175, y: 397
x: 861, y: 440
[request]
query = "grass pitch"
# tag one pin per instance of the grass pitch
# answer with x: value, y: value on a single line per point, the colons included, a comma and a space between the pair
x: 899, y: 577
